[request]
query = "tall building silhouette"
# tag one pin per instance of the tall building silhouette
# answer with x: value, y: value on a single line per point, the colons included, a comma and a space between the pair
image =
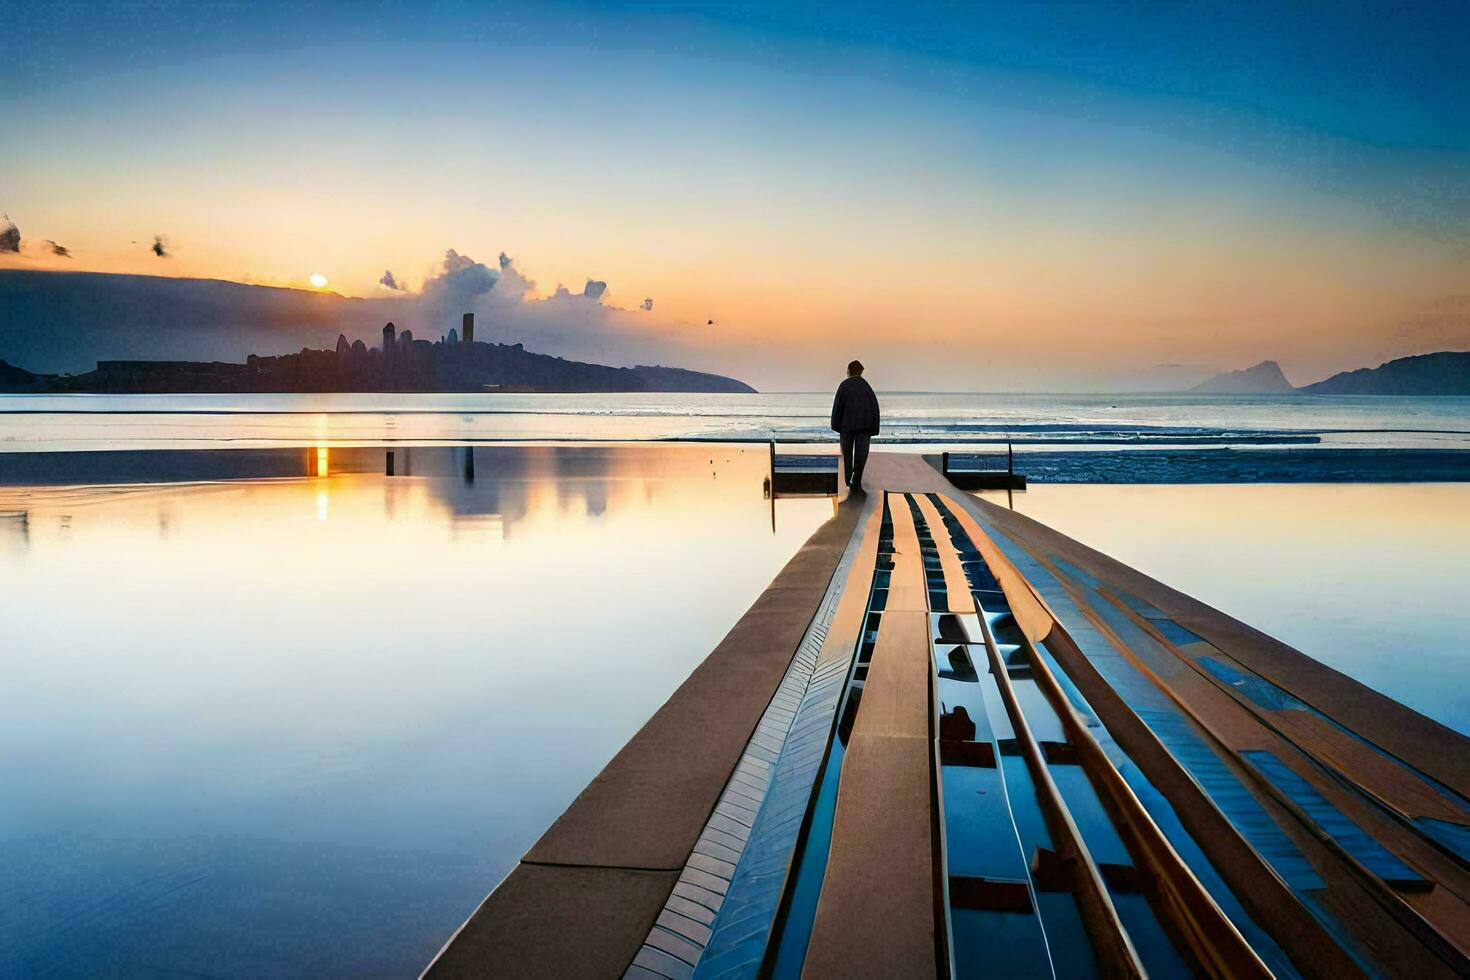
x: 390, y: 341
x: 468, y: 333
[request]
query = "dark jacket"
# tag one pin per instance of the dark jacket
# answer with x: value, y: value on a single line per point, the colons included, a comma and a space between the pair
x: 855, y: 409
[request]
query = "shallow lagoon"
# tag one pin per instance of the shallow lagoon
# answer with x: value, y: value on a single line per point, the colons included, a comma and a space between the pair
x: 301, y: 724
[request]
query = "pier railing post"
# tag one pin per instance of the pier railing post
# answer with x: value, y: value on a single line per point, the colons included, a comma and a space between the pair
x: 772, y: 485
x: 771, y: 465
x: 1010, y: 477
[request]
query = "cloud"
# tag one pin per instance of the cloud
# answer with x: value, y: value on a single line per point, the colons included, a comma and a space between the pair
x: 59, y: 250
x: 578, y: 326
x: 160, y: 246
x: 9, y: 237
x: 454, y: 290
x: 647, y: 304
x: 389, y: 281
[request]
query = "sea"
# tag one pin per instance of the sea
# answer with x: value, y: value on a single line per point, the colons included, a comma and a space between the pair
x: 49, y: 422
x: 292, y: 681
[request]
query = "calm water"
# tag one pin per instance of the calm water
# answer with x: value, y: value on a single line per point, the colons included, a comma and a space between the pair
x: 273, y: 712
x: 148, y: 421
x: 301, y: 724
x: 1371, y: 579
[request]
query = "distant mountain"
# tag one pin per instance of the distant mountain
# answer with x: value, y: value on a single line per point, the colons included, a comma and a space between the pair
x: 67, y: 322
x: 1444, y: 373
x: 14, y: 379
x: 1263, y: 379
x: 412, y: 366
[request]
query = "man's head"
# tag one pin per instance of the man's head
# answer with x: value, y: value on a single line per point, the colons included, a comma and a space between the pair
x: 855, y: 369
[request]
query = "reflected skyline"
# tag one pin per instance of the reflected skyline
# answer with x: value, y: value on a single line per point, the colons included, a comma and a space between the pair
x: 472, y: 485
x: 333, y: 709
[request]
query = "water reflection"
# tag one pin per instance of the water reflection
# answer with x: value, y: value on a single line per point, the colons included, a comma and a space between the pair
x: 279, y: 712
x: 1367, y: 578
x: 514, y: 479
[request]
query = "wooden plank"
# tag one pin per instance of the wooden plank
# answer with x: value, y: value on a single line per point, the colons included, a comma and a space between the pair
x: 852, y: 608
x: 1111, y: 944
x: 1264, y: 894
x: 1384, y: 779
x: 1438, y: 917
x: 906, y: 588
x: 1208, y: 935
x: 719, y: 851
x: 905, y: 472
x: 896, y: 695
x: 1029, y: 609
x: 876, y: 914
x: 1393, y: 784
x: 557, y: 922
x: 955, y: 584
x: 1375, y: 925
x: 1430, y: 747
x: 645, y: 811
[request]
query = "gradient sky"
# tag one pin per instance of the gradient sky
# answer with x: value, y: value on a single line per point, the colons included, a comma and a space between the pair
x: 975, y: 197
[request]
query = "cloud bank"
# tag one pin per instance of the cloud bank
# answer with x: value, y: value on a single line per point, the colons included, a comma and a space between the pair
x: 574, y: 325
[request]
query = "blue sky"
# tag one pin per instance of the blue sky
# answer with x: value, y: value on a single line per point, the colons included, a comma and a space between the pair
x: 1110, y: 186
x: 1392, y: 74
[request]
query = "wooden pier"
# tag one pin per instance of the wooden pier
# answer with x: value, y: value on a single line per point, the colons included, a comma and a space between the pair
x: 950, y: 741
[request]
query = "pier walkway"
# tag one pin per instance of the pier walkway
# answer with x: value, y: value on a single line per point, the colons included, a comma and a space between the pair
x: 949, y: 741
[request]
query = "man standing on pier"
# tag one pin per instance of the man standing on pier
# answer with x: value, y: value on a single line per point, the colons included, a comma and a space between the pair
x: 855, y: 419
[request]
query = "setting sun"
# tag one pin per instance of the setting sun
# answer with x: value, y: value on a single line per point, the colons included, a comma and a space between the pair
x: 317, y: 280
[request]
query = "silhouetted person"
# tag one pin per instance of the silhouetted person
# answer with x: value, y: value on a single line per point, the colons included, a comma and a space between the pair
x: 855, y: 419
